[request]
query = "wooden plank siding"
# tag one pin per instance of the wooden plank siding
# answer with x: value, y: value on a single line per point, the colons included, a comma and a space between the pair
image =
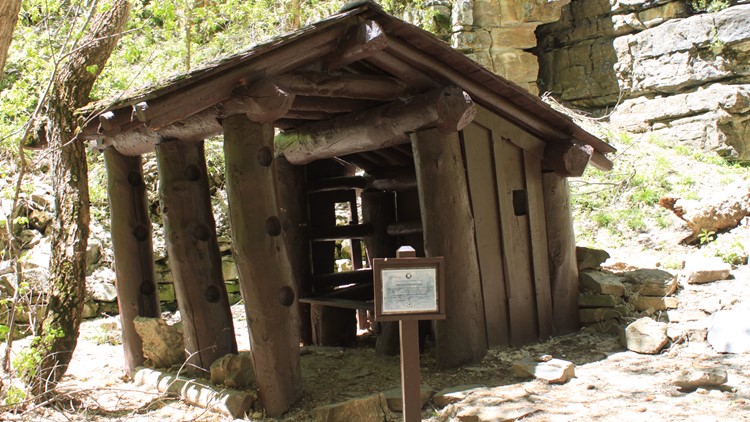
x: 504, y: 161
x: 480, y: 169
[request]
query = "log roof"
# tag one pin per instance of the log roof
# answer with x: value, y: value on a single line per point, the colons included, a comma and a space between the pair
x: 357, y: 59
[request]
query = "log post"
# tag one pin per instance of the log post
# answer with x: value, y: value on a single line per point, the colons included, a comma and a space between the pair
x: 448, y: 227
x: 133, y: 249
x: 561, y: 245
x: 194, y: 257
x: 266, y: 275
x: 566, y: 158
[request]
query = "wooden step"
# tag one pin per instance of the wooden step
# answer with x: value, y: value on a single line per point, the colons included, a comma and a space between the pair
x: 336, y: 184
x: 323, y: 284
x: 352, y: 231
x: 404, y: 228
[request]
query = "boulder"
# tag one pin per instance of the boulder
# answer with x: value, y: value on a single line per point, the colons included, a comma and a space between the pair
x: 504, y: 412
x: 395, y: 400
x: 646, y: 336
x: 553, y: 371
x: 590, y: 315
x: 587, y: 300
x: 601, y: 283
x: 452, y: 395
x: 100, y: 286
x: 644, y: 303
x: 650, y: 282
x: 163, y: 344
x: 371, y: 408
x: 691, y: 379
x: 706, y: 270
x: 234, y: 371
x: 590, y: 257
x: 729, y: 331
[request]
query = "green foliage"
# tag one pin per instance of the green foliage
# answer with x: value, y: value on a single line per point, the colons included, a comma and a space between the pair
x: 709, y: 5
x: 733, y: 254
x: 706, y: 236
x: 14, y: 396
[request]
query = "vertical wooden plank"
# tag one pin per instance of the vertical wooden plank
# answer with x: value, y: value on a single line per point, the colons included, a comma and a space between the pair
x: 449, y: 231
x: 194, y: 257
x: 133, y: 249
x: 260, y: 251
x: 292, y: 204
x: 516, y: 244
x: 562, y: 253
x: 483, y: 190
x: 538, y: 230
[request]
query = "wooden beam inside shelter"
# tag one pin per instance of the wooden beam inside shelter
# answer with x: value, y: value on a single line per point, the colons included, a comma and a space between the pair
x: 260, y: 251
x: 130, y: 227
x: 448, y: 227
x: 194, y: 257
x: 449, y: 109
x: 345, y: 85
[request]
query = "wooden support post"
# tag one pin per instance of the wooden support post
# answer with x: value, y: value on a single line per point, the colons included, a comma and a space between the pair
x: 133, y: 249
x: 194, y: 257
x: 410, y: 388
x: 379, y: 210
x: 449, y: 231
x: 561, y: 244
x: 449, y: 109
x: 260, y: 251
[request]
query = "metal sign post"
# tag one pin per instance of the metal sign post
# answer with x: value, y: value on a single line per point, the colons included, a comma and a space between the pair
x: 408, y: 289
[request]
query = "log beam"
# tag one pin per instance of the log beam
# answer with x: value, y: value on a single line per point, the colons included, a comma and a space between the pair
x: 449, y: 231
x: 361, y: 42
x: 261, y: 255
x: 349, y: 85
x: 331, y: 105
x: 194, y: 257
x: 449, y: 109
x: 567, y: 159
x: 133, y: 249
x: 264, y: 101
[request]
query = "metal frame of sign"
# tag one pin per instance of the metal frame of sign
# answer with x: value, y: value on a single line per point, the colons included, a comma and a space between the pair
x: 419, y: 265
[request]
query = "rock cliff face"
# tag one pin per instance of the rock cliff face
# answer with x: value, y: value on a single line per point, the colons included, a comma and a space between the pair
x: 657, y: 66
x: 499, y: 33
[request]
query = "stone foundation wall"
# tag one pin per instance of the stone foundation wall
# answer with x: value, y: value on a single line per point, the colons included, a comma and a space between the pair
x: 657, y: 67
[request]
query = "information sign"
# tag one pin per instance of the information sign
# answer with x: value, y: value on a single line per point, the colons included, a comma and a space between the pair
x: 408, y: 288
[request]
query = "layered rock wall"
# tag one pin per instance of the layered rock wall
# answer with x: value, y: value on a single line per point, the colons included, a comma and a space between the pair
x: 658, y: 67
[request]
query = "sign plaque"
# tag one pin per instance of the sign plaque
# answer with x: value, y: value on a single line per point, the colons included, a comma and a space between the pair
x: 408, y: 288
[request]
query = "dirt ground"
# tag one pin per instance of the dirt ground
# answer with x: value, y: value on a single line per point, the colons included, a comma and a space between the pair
x: 611, y: 383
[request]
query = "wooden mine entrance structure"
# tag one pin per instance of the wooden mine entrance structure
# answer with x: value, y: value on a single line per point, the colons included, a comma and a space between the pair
x: 457, y: 162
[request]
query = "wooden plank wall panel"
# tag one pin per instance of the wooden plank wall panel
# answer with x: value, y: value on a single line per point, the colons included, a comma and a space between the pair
x: 509, y: 161
x: 538, y: 228
x: 483, y: 193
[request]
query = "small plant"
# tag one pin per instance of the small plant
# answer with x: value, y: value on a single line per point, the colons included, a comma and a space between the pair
x: 706, y: 236
x: 14, y: 396
x: 734, y: 254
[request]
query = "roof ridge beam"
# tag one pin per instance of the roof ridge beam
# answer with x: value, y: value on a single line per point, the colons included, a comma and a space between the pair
x: 363, y: 41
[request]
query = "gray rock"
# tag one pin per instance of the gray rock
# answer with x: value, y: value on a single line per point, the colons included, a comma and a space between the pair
x: 650, y: 282
x: 590, y: 257
x: 395, y: 400
x: 729, y: 331
x: 505, y: 412
x: 233, y: 370
x: 554, y: 371
x: 100, y: 286
x: 601, y: 283
x: 646, y: 336
x: 163, y: 344
x: 706, y: 270
x: 691, y: 379
x: 365, y: 409
x: 452, y: 395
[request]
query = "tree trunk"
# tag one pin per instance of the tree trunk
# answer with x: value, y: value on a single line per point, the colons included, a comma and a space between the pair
x: 8, y: 16
x: 71, y: 87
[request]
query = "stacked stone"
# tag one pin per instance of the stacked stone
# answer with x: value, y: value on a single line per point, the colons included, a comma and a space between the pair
x: 669, y: 70
x: 606, y: 298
